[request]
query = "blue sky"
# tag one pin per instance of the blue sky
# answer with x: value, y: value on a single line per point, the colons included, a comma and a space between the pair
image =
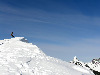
x: 61, y: 28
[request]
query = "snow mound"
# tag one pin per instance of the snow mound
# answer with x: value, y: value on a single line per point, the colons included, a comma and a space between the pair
x: 18, y: 57
x: 21, y: 39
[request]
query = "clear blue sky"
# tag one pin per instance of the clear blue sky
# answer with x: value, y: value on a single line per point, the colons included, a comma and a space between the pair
x: 61, y: 28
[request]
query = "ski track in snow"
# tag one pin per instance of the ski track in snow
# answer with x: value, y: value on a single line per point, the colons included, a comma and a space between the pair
x: 18, y: 57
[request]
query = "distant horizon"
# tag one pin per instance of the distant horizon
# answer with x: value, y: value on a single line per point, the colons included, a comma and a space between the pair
x: 61, y: 28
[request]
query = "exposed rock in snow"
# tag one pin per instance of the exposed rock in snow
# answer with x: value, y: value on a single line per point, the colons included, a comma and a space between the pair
x: 93, y: 66
x: 18, y: 57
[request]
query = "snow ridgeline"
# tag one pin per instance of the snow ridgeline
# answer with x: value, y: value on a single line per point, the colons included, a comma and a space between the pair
x: 18, y: 57
x: 94, y: 66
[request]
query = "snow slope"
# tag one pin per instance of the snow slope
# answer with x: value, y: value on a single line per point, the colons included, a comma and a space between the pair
x: 18, y: 57
x: 93, y: 66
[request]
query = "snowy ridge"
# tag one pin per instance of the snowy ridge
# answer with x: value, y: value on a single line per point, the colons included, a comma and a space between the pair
x: 93, y: 66
x: 18, y: 57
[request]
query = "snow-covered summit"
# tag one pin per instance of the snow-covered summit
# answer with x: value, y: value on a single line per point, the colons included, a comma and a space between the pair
x: 18, y: 57
x: 19, y: 46
x: 21, y: 39
x: 17, y: 39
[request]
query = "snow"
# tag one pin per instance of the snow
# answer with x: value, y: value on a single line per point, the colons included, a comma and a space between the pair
x: 18, y: 57
x: 81, y: 69
x: 95, y: 67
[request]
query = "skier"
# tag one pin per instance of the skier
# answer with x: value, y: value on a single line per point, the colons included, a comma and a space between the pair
x: 12, y: 34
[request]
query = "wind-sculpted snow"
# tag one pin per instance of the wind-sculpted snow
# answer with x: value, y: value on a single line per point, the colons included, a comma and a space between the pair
x: 18, y: 57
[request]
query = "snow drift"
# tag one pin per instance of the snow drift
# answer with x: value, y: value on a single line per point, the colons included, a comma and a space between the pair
x: 18, y: 57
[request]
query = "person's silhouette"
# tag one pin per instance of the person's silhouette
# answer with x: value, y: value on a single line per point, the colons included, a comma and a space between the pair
x: 12, y: 34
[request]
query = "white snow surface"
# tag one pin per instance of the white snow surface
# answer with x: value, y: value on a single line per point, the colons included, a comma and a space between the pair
x: 95, y: 67
x: 18, y: 57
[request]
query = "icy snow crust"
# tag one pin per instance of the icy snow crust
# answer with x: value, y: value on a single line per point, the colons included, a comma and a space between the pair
x: 18, y: 57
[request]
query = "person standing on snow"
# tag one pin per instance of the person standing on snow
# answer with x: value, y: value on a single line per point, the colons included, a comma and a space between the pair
x: 12, y: 34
